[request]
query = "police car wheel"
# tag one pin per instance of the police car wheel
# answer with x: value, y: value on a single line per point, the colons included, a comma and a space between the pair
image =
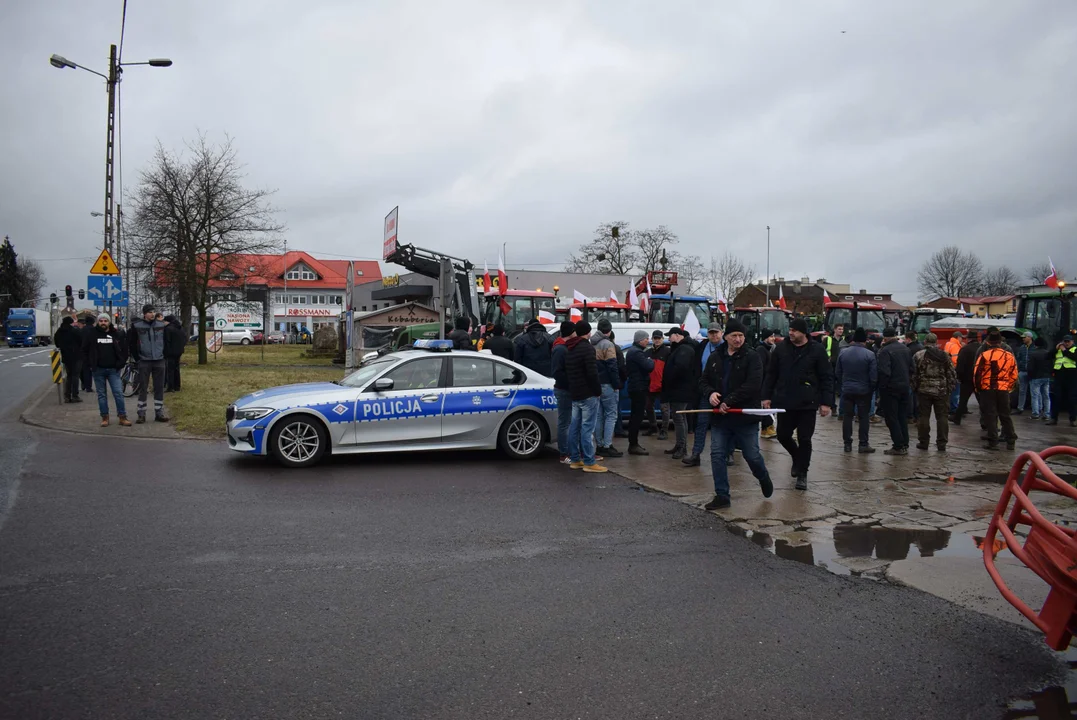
x: 298, y: 441
x: 522, y: 436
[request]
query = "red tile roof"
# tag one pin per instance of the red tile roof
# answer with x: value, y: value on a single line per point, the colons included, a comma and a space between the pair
x: 269, y: 271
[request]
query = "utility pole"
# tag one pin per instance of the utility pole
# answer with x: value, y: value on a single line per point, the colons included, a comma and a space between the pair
x: 768, y: 265
x: 113, y: 77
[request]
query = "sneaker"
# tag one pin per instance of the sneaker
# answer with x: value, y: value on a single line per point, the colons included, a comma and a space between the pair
x: 565, y: 460
x: 865, y: 449
x: 691, y: 461
x: 718, y: 503
x: 1033, y: 417
x: 576, y: 465
x: 662, y: 435
x: 637, y: 450
x: 678, y: 454
x: 1011, y: 444
x: 729, y: 461
x: 609, y: 452
x: 802, y: 482
x: 766, y: 486
x: 141, y: 419
x: 875, y: 419
x: 895, y: 451
x: 124, y: 422
x: 104, y: 421
x: 922, y: 446
x: 596, y: 468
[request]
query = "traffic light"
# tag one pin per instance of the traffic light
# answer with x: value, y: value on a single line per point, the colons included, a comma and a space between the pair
x: 82, y: 294
x: 68, y: 295
x: 53, y: 298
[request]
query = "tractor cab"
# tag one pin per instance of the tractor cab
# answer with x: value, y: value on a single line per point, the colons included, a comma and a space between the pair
x: 923, y: 317
x: 1049, y: 314
x: 594, y: 310
x: 524, y: 306
x: 760, y: 320
x: 854, y: 315
x: 673, y: 309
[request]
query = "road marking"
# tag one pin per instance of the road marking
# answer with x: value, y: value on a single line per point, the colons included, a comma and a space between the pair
x: 34, y: 364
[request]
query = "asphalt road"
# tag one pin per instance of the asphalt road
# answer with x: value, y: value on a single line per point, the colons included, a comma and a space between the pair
x: 175, y: 580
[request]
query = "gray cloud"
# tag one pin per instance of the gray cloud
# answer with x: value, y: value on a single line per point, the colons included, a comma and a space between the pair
x: 923, y: 124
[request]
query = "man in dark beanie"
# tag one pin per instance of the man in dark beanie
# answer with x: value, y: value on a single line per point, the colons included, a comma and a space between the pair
x: 560, y: 387
x: 857, y: 376
x: 895, y: 376
x: 460, y: 336
x: 497, y: 343
x: 581, y: 369
x: 800, y: 380
x: 68, y: 341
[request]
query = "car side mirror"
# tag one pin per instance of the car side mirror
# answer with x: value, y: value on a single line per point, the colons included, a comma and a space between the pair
x: 383, y: 383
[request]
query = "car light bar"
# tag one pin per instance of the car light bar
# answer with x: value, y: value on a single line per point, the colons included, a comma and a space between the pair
x: 437, y: 345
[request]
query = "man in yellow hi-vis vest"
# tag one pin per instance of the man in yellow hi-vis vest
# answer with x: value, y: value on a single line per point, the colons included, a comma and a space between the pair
x: 1064, y: 381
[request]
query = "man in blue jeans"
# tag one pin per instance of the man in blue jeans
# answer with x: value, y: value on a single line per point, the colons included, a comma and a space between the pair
x: 560, y: 387
x: 584, y: 389
x: 105, y: 354
x: 703, y: 420
x: 731, y: 380
x: 609, y: 379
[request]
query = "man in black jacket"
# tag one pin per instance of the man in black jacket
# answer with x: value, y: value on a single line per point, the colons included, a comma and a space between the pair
x: 581, y: 369
x: 175, y: 340
x: 659, y: 353
x: 497, y: 343
x: 895, y: 382
x: 532, y: 348
x: 461, y: 338
x: 800, y: 380
x: 68, y: 341
x: 638, y: 367
x: 912, y: 342
x: 680, y: 379
x: 966, y: 364
x: 560, y: 387
x: 84, y: 372
x: 732, y: 380
x: 104, y: 353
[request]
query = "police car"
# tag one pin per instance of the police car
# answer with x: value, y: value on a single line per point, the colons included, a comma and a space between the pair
x: 430, y: 397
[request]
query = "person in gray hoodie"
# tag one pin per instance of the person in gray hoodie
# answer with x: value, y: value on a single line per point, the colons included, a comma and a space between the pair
x: 857, y: 376
x: 146, y: 342
x: 609, y: 377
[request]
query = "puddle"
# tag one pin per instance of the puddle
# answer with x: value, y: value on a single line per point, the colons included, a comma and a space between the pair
x: 849, y: 548
x: 1051, y: 703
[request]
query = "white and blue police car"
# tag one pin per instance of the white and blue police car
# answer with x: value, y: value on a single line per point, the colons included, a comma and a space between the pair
x: 429, y: 397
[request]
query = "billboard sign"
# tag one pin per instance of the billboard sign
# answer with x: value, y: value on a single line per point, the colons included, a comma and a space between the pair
x: 389, y: 238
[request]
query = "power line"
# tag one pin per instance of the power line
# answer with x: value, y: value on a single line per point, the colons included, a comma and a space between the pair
x: 123, y: 26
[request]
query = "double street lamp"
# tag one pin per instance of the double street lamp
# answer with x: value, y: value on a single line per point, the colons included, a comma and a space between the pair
x: 115, y: 71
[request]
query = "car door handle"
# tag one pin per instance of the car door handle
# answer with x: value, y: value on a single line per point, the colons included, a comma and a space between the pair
x: 430, y: 398
x: 502, y: 393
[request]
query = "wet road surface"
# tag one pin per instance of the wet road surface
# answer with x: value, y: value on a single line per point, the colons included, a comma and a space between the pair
x: 174, y: 579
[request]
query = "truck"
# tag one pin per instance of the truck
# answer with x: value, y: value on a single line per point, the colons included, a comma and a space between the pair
x: 28, y: 327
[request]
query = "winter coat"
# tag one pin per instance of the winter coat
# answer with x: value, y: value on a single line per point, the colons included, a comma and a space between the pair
x: 858, y: 370
x: 659, y: 354
x: 532, y: 349
x: 996, y: 368
x: 104, y: 349
x: 581, y: 369
x: 680, y: 377
x: 639, y: 367
x: 622, y: 368
x: 146, y: 341
x: 175, y: 340
x: 966, y: 361
x: 741, y: 388
x: 933, y: 374
x: 799, y: 378
x: 1021, y: 355
x: 68, y: 340
x: 1039, y: 364
x: 763, y: 351
x: 895, y: 368
x: 557, y: 364
x: 914, y: 347
x: 1057, y: 354
x: 461, y: 340
x: 606, y: 355
x: 499, y: 345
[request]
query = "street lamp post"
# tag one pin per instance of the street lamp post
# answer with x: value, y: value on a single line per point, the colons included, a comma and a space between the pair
x: 115, y: 72
x: 768, y: 265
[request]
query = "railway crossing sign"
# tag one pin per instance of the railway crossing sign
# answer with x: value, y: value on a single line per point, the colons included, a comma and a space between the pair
x: 105, y: 265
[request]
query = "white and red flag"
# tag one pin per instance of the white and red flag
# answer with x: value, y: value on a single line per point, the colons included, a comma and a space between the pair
x: 1051, y: 280
x: 781, y: 297
x: 485, y: 278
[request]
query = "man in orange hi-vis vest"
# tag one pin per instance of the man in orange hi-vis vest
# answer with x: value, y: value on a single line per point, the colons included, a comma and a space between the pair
x: 995, y: 377
x: 952, y: 348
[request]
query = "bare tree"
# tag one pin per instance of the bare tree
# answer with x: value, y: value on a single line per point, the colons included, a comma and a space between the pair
x: 950, y: 272
x: 727, y: 274
x: 653, y: 245
x: 1038, y: 273
x: 691, y: 275
x: 193, y: 217
x: 29, y: 283
x: 1000, y: 281
x: 608, y: 252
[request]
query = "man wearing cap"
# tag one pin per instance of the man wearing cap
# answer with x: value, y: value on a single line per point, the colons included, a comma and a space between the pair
x: 800, y: 380
x: 703, y: 352
x: 994, y: 377
x: 1064, y: 369
x: 609, y: 378
x: 680, y: 385
x: 582, y: 373
x: 105, y: 355
x: 659, y: 353
x: 933, y: 378
x: 146, y: 344
x: 733, y: 380
x: 895, y: 375
x: 639, y: 367
x: 857, y: 375
x: 1021, y: 356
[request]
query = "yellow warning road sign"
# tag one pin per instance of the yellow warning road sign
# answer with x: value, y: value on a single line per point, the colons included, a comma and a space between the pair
x: 105, y: 265
x: 57, y: 369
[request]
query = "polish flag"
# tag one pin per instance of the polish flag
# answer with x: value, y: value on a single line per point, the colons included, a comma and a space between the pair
x: 579, y: 296
x: 826, y: 297
x: 485, y: 278
x: 546, y: 317
x: 502, y: 278
x: 575, y: 315
x: 723, y: 306
x: 781, y: 297
x: 633, y: 298
x: 1052, y: 280
x: 613, y: 297
x: 691, y: 325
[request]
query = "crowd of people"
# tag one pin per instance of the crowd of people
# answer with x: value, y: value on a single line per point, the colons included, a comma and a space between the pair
x: 94, y: 353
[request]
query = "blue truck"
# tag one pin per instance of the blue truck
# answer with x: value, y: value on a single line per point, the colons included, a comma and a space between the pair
x: 27, y: 327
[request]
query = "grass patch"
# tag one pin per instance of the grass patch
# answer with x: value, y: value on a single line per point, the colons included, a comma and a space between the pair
x: 209, y: 389
x: 252, y: 355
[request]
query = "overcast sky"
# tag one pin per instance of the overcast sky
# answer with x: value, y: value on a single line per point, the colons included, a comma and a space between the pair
x: 924, y: 123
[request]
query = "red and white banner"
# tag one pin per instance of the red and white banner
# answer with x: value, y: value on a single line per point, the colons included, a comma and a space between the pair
x: 579, y: 296
x: 388, y: 246
x: 575, y: 315
x: 826, y: 297
x: 613, y: 297
x: 723, y: 306
x: 485, y: 278
x: 781, y: 297
x: 1051, y: 280
x: 502, y: 279
x: 633, y: 298
x: 546, y: 317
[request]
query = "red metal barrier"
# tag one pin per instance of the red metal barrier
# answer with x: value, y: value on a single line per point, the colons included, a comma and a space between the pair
x: 1049, y: 551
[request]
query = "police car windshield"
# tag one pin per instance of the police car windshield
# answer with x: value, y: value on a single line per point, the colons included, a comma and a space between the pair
x: 365, y: 374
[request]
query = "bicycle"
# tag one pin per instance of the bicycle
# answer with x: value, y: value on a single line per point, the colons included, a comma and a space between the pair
x: 129, y: 377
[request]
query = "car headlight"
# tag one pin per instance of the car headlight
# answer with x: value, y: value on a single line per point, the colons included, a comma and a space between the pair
x: 255, y: 413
